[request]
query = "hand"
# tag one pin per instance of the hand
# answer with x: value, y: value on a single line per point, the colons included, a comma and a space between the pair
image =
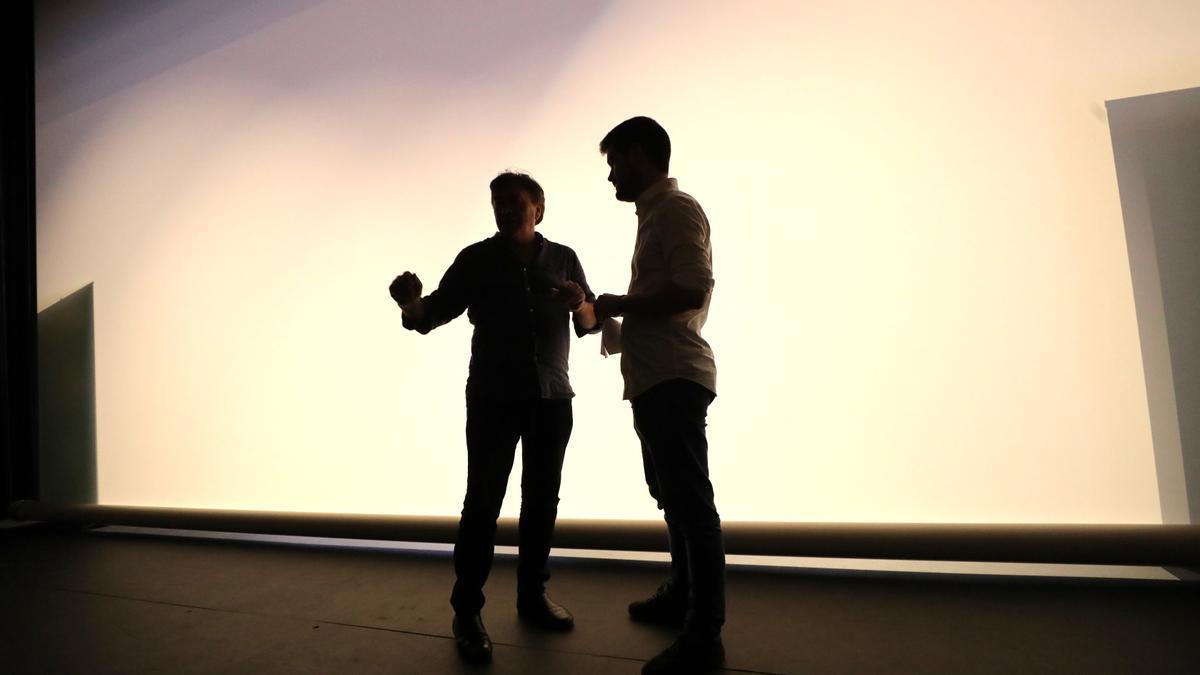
x: 570, y: 294
x: 608, y: 305
x: 405, y: 288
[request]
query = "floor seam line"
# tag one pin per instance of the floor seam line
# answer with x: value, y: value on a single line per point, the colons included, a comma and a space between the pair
x: 362, y: 626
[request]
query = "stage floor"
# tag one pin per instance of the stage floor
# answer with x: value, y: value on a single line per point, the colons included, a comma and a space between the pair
x: 103, y: 602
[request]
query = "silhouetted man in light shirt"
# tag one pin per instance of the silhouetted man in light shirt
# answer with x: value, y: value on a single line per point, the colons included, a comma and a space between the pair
x: 670, y: 380
x: 518, y: 289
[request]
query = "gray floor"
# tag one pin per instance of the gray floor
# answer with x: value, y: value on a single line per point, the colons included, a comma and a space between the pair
x: 90, y: 602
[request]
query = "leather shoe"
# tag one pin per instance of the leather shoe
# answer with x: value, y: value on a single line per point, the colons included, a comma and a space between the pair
x: 542, y: 612
x: 471, y: 638
x: 665, y: 608
x: 688, y: 656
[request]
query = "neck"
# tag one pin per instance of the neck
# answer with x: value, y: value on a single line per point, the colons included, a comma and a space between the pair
x: 650, y: 181
x: 521, y: 237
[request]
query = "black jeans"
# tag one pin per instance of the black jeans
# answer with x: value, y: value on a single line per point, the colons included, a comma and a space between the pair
x: 670, y: 421
x: 493, y: 428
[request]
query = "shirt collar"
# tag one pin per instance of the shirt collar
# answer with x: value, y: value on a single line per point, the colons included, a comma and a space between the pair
x: 537, y: 236
x: 652, y: 193
x: 498, y: 242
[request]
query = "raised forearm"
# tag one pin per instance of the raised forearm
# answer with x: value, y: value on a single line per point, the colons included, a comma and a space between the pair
x: 414, y: 310
x: 425, y: 314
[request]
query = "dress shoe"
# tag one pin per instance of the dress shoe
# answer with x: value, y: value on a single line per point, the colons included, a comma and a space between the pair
x: 688, y: 656
x: 542, y: 612
x: 665, y: 608
x: 471, y: 638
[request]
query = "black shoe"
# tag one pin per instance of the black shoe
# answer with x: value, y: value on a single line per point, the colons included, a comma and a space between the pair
x: 688, y: 656
x: 665, y: 608
x: 542, y: 612
x: 472, y: 639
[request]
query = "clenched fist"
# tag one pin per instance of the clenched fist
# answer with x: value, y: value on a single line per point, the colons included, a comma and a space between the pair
x: 405, y: 288
x: 570, y: 294
x: 608, y: 305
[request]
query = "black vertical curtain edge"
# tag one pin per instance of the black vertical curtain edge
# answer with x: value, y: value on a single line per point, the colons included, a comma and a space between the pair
x: 18, y: 303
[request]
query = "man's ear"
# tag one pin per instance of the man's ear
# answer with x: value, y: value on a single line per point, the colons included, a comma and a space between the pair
x: 636, y: 156
x: 541, y: 213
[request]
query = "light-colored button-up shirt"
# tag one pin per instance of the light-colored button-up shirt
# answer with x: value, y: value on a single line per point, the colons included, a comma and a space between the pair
x: 672, y: 245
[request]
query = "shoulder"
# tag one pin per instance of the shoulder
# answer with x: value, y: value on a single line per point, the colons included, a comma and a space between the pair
x: 680, y: 212
x: 471, y: 258
x: 473, y: 251
x: 561, y: 250
x: 680, y: 201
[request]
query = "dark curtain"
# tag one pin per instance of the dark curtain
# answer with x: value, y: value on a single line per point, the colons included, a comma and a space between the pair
x: 18, y: 308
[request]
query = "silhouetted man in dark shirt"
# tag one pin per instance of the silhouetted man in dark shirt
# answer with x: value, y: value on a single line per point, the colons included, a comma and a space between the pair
x: 517, y: 288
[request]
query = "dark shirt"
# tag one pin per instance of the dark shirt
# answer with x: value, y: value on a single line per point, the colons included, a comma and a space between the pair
x: 521, y: 339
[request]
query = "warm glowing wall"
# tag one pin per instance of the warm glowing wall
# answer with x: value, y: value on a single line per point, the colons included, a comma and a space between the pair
x: 923, y: 308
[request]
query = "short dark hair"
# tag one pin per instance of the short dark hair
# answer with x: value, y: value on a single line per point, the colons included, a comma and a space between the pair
x: 523, y: 181
x: 644, y: 133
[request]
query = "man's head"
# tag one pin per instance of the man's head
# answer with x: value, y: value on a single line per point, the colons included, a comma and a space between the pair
x: 638, y: 151
x: 517, y: 201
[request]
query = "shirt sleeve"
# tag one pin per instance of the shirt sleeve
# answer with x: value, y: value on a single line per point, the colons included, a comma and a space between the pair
x: 577, y: 275
x: 684, y: 233
x: 449, y: 300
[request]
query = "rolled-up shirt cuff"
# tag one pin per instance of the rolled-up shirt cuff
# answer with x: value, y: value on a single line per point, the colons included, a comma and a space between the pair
x: 421, y: 325
x: 693, y: 282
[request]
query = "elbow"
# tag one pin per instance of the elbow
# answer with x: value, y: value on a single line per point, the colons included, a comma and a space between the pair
x: 687, y: 298
x: 693, y: 299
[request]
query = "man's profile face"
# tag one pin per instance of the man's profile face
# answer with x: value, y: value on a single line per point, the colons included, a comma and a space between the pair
x: 514, y: 209
x: 622, y: 175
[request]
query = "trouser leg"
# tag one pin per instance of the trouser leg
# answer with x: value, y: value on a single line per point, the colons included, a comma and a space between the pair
x: 706, y: 555
x: 670, y: 420
x: 492, y: 434
x: 679, y: 579
x: 543, y: 446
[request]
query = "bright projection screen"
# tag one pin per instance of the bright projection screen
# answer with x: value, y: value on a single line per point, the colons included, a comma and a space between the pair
x: 923, y: 309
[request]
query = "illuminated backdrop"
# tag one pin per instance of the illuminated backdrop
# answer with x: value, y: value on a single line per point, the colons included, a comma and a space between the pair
x: 922, y: 312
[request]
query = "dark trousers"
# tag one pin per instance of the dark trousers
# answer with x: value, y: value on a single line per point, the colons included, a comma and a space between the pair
x: 670, y: 421
x: 493, y: 428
